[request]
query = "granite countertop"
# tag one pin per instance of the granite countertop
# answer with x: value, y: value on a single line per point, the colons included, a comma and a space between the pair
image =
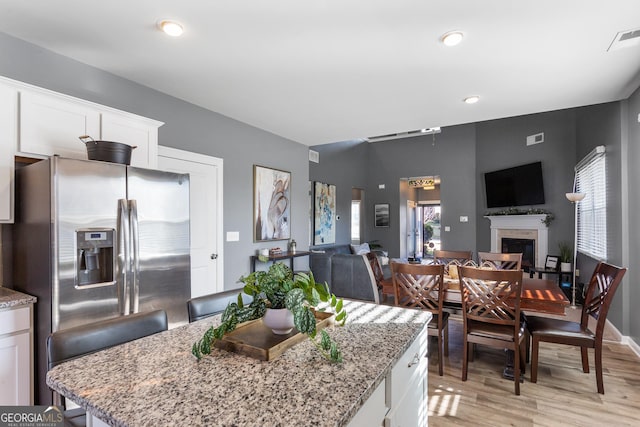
x: 156, y: 381
x: 10, y: 298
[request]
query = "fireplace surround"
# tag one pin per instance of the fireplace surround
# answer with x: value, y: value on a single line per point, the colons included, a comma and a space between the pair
x: 526, y: 227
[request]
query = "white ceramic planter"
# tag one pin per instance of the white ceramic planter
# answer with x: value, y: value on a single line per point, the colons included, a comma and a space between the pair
x: 565, y: 267
x: 279, y: 320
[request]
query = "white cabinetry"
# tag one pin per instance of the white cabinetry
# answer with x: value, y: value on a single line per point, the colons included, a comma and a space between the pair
x: 401, y: 399
x: 135, y: 132
x: 36, y: 122
x: 15, y: 356
x: 8, y: 141
x: 51, y: 125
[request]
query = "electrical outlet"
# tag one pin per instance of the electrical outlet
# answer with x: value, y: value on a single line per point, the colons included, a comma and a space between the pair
x: 577, y: 272
x: 447, y: 228
x: 464, y: 219
x: 233, y: 236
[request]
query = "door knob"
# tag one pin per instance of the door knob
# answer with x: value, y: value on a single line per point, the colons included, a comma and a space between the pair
x: 214, y: 256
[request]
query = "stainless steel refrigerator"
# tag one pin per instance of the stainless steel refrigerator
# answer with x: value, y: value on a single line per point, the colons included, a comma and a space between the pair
x: 95, y: 240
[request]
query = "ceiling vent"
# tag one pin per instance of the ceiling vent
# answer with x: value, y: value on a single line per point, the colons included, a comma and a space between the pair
x: 419, y: 132
x: 625, y: 39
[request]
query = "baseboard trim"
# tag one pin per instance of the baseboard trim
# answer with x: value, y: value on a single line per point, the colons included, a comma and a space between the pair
x: 622, y: 339
x: 627, y: 340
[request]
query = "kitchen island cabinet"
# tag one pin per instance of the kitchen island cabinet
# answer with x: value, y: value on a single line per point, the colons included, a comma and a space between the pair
x: 156, y: 380
x: 16, y: 344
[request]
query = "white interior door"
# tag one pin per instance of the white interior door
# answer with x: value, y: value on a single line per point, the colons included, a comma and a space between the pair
x: 205, y: 172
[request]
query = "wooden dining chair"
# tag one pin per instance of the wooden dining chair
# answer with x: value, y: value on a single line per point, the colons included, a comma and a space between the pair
x: 71, y: 343
x: 449, y: 258
x: 385, y: 286
x: 602, y: 287
x: 491, y: 314
x: 500, y: 261
x: 422, y: 286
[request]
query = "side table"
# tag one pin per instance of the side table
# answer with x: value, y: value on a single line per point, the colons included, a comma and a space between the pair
x: 278, y: 257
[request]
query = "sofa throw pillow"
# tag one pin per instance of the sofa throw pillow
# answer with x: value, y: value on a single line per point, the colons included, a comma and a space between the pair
x: 360, y: 249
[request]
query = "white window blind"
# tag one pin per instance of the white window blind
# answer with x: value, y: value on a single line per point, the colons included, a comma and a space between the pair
x: 592, y: 210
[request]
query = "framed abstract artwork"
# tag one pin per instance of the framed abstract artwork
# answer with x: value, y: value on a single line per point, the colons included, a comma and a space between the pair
x: 381, y: 215
x: 324, y: 214
x: 271, y: 204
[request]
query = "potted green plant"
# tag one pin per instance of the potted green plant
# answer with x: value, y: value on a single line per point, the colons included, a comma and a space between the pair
x: 278, y: 289
x: 566, y: 256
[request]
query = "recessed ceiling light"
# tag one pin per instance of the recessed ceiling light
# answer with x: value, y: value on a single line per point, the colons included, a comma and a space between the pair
x: 472, y: 99
x: 171, y: 28
x: 452, y: 38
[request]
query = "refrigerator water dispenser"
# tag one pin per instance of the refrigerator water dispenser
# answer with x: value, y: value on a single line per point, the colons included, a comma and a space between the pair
x: 94, y: 266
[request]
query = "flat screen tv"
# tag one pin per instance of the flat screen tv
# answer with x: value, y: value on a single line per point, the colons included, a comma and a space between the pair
x: 517, y: 186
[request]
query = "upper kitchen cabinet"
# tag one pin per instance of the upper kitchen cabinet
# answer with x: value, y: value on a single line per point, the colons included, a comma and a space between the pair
x: 140, y: 133
x: 38, y: 123
x: 52, y: 123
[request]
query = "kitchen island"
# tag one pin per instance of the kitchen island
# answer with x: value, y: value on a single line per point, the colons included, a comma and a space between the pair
x: 156, y: 381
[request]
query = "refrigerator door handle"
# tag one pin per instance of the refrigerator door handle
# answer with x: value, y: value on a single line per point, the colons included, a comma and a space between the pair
x: 135, y: 256
x: 122, y: 276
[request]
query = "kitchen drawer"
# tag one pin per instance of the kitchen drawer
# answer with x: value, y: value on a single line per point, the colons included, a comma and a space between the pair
x: 413, y: 362
x: 14, y: 320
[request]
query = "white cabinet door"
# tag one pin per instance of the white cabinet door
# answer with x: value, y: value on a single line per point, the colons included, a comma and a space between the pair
x: 205, y: 208
x: 136, y: 133
x: 411, y: 409
x: 52, y: 124
x: 15, y: 370
x: 407, y: 397
x: 8, y: 143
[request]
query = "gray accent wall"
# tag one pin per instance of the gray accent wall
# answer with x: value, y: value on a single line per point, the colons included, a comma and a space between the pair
x: 502, y: 144
x: 187, y: 127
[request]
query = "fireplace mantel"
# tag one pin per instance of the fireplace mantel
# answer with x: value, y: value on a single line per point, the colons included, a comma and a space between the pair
x: 526, y: 223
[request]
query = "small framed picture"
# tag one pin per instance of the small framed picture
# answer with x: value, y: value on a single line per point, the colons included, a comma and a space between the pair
x: 551, y: 263
x: 381, y: 215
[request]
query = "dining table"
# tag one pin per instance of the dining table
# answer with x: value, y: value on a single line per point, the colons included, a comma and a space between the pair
x: 538, y: 295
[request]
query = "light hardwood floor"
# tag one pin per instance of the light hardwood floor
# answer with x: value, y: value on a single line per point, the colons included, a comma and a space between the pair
x: 563, y: 395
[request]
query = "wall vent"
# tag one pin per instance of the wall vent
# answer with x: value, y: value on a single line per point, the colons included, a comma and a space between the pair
x: 624, y: 39
x: 314, y: 156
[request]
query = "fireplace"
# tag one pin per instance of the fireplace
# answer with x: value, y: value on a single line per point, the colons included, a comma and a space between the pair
x: 521, y: 227
x: 527, y: 247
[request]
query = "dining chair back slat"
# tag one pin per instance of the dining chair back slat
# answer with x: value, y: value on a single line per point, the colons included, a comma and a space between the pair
x: 449, y: 258
x: 500, y: 261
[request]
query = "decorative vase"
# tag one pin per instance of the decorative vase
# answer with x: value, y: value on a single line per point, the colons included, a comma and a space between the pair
x: 565, y: 267
x: 279, y: 320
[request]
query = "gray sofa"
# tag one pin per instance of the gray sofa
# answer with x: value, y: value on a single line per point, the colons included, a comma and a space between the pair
x: 348, y: 275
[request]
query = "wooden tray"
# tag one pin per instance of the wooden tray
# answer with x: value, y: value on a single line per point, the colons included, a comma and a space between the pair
x: 255, y: 340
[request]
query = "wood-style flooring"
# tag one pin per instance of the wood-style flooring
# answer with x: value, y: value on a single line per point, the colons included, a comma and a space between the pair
x: 563, y: 395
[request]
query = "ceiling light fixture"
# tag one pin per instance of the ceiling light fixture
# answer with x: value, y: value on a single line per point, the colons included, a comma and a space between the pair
x: 452, y: 38
x: 472, y: 99
x: 172, y: 28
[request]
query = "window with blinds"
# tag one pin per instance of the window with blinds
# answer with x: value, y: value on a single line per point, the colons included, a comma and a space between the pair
x: 592, y: 210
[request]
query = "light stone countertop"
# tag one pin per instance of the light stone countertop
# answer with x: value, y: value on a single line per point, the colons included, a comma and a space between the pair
x: 156, y: 381
x: 10, y: 298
